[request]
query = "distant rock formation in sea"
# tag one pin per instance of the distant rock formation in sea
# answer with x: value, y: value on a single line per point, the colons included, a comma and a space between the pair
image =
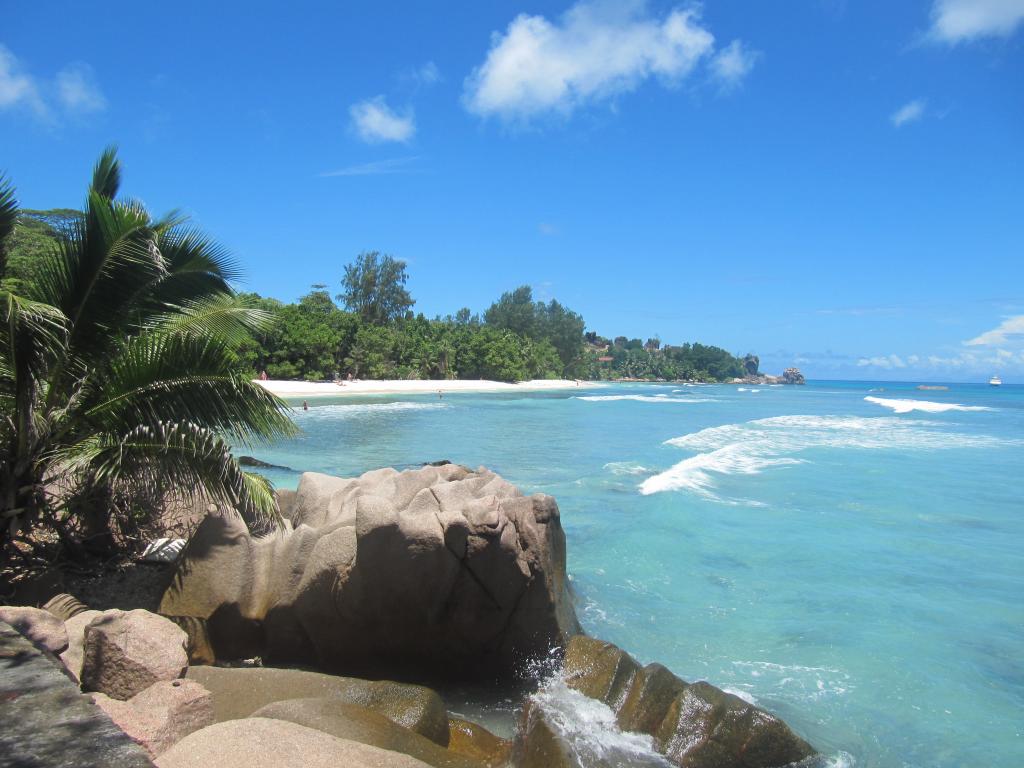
x: 789, y: 376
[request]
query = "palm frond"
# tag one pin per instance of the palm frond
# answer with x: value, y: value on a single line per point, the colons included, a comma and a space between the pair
x: 106, y: 174
x: 8, y: 219
x: 226, y: 317
x: 171, y: 377
x: 194, y: 461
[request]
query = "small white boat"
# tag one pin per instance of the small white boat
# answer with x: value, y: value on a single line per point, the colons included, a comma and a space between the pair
x: 995, y: 381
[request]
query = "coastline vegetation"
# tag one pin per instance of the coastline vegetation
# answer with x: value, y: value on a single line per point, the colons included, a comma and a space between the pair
x: 369, y: 330
x: 120, y: 379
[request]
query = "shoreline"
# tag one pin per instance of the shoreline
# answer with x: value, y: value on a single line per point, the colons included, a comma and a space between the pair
x: 295, y: 389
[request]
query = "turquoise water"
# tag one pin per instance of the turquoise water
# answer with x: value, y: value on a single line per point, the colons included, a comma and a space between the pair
x: 852, y: 565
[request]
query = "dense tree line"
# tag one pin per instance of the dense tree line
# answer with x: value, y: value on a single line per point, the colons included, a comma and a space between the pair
x: 370, y: 331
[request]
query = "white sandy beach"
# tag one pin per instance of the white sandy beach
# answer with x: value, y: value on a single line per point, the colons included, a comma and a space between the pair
x: 413, y: 386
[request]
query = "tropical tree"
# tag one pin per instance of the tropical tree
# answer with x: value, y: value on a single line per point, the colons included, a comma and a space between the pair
x: 118, y: 373
x: 374, y: 288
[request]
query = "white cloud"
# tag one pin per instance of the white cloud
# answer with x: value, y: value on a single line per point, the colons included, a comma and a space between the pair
x: 596, y: 50
x: 890, y: 362
x: 956, y: 21
x: 18, y: 88
x: 908, y: 113
x: 1010, y: 332
x: 374, y: 121
x: 733, y: 63
x: 377, y: 168
x: 428, y: 74
x: 77, y: 89
x: 546, y: 228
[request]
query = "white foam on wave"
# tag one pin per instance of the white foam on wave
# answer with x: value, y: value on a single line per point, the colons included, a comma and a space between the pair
x: 626, y: 468
x: 907, y: 405
x: 752, y: 447
x: 589, y: 727
x: 358, y: 410
x: 643, y: 399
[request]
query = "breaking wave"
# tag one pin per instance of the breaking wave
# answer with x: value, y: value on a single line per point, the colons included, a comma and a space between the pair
x: 751, y: 448
x: 359, y: 410
x: 906, y: 406
x: 644, y: 399
x: 588, y: 726
x: 626, y: 468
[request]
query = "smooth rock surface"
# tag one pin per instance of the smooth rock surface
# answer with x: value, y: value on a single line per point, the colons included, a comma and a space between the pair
x: 695, y: 725
x: 438, y: 568
x: 356, y: 723
x: 239, y: 692
x: 42, y: 628
x: 161, y: 715
x: 48, y: 722
x: 264, y: 743
x: 125, y: 652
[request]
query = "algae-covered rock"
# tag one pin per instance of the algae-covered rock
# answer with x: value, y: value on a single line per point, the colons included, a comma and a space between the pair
x: 239, y: 692
x: 694, y: 725
x: 472, y: 740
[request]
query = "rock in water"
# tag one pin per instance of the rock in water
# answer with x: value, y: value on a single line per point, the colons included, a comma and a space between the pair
x: 694, y: 725
x: 440, y: 570
x: 793, y: 376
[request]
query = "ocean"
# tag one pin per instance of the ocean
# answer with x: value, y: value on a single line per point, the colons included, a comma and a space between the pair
x: 848, y: 555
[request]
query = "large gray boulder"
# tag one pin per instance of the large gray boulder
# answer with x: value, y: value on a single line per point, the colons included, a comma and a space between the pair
x: 440, y: 568
x: 694, y: 725
x: 261, y: 742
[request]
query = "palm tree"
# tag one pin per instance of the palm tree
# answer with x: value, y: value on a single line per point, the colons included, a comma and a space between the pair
x: 118, y: 373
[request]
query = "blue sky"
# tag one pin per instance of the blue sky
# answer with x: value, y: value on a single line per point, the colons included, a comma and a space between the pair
x: 835, y: 185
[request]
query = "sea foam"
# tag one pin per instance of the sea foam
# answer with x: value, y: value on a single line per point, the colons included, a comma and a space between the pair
x: 752, y: 447
x: 590, y: 729
x: 906, y: 406
x: 363, y: 410
x: 643, y: 399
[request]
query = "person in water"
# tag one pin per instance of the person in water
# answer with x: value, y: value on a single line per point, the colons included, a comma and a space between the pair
x: 305, y: 405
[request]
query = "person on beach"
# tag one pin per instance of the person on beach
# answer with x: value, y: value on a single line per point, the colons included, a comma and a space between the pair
x: 263, y: 376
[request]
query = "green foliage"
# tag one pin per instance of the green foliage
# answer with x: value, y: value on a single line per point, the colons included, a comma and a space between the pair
x: 119, y: 369
x: 374, y: 288
x: 560, y: 327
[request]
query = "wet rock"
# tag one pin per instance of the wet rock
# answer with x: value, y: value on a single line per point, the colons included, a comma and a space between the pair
x: 694, y: 725
x: 477, y: 743
x: 41, y: 627
x: 260, y: 741
x: 240, y: 692
x: 125, y: 652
